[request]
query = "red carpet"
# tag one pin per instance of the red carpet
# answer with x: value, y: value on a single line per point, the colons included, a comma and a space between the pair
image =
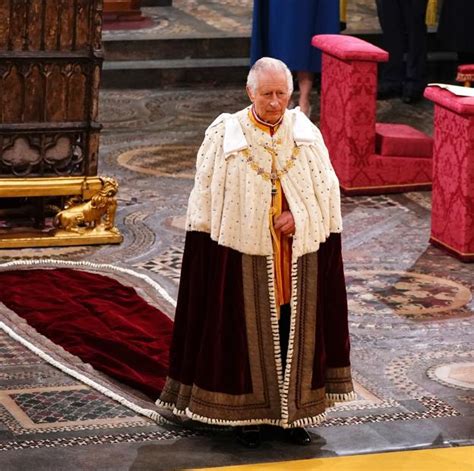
x: 96, y: 318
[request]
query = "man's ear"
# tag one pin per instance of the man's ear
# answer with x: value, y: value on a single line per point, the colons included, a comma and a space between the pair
x: 250, y: 93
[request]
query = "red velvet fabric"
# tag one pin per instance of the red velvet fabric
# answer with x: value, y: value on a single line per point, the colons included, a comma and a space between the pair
x: 402, y: 140
x: 95, y: 318
x: 466, y: 68
x: 332, y: 329
x: 465, y: 73
x: 458, y: 104
x: 348, y: 112
x: 209, y: 346
x: 349, y: 48
x: 452, y: 217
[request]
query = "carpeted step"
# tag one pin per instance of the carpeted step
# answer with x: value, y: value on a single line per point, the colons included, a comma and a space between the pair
x: 402, y: 140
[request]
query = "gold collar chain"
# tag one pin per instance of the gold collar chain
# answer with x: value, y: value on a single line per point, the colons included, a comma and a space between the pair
x: 270, y: 176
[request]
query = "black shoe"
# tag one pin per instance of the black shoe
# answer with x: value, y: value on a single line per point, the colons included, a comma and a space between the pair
x: 299, y: 436
x: 388, y: 90
x: 249, y: 436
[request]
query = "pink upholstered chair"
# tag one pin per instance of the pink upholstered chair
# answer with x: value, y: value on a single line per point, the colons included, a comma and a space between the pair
x: 465, y: 74
x: 452, y: 214
x: 369, y: 158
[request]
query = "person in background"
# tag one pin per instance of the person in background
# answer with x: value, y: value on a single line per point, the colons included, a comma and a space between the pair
x: 455, y: 29
x: 283, y: 29
x: 404, y: 29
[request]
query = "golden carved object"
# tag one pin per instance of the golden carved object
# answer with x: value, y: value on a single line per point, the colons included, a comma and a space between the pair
x: 94, y: 216
x: 88, y: 217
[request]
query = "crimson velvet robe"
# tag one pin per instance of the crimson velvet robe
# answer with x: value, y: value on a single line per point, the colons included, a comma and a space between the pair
x: 225, y: 358
x: 225, y: 364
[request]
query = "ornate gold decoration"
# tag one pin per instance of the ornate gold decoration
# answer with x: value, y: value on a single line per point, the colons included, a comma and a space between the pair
x: 271, y: 176
x: 87, y: 218
x: 57, y: 186
x: 96, y: 215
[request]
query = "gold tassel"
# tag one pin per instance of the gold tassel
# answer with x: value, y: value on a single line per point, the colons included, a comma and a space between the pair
x: 431, y: 12
x: 343, y: 11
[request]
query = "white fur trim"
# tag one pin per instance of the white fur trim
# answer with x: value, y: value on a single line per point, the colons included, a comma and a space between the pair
x: 291, y: 338
x: 310, y: 421
x: 234, y: 139
x: 332, y: 398
x: 303, y: 128
x: 218, y: 120
x: 307, y: 422
x: 230, y: 200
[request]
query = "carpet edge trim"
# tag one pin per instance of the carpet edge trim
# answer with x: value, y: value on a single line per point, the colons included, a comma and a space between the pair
x: 84, y: 379
x: 70, y: 263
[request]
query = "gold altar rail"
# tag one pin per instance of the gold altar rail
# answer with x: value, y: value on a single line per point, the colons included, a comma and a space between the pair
x: 59, y: 186
x: 82, y: 223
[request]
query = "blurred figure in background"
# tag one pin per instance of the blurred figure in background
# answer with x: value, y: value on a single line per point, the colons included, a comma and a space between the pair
x: 404, y: 29
x: 283, y: 29
x: 456, y: 22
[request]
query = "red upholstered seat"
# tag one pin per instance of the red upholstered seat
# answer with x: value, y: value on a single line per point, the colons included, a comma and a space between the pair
x: 462, y: 105
x: 349, y: 48
x: 402, y: 140
x: 348, y: 123
x: 465, y: 73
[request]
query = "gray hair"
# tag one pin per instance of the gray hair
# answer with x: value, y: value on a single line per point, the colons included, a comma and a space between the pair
x: 264, y: 64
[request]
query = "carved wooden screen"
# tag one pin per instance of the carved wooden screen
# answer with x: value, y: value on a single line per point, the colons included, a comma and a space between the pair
x: 50, y: 62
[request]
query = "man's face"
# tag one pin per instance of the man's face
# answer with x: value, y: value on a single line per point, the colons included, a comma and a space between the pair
x: 271, y: 96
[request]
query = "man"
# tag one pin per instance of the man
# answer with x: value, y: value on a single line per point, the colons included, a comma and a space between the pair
x: 261, y: 334
x: 404, y: 30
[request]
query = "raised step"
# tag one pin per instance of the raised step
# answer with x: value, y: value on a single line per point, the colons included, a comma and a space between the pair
x: 143, y: 62
x: 175, y: 73
x: 176, y: 48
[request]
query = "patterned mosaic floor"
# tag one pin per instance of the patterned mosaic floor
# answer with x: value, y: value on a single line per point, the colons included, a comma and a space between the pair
x: 411, y: 306
x: 192, y: 18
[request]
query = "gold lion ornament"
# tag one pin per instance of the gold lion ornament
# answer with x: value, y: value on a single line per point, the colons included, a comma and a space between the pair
x: 97, y: 214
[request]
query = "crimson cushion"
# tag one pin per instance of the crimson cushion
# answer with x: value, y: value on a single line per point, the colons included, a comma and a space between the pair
x: 465, y: 73
x: 349, y: 48
x: 402, y: 140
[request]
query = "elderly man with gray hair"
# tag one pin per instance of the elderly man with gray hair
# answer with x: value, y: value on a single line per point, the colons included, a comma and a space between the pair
x: 261, y: 332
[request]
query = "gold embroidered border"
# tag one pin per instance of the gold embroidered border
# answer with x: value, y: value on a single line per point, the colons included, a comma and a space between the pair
x: 304, y: 401
x: 264, y: 401
x: 339, y: 380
